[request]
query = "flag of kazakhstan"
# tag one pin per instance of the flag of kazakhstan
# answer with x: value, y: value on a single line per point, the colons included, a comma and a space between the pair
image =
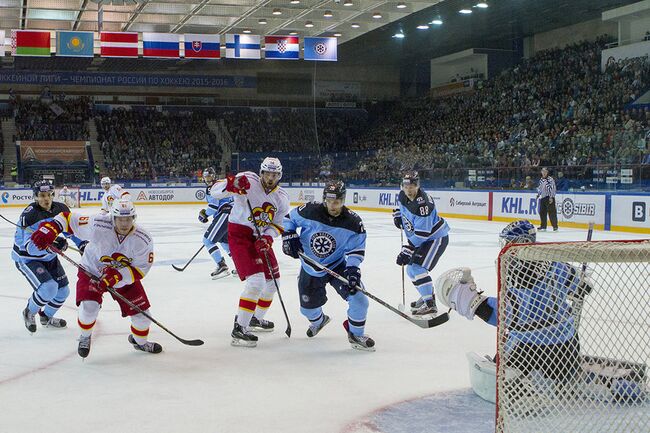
x: 74, y: 44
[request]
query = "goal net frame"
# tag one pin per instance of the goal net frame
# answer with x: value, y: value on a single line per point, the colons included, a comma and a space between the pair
x: 606, y: 385
x: 73, y: 200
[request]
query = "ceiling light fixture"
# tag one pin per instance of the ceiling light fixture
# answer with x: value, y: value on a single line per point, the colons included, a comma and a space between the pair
x: 277, y: 11
x: 422, y: 27
x: 295, y: 2
x: 482, y: 5
x: 399, y: 35
x: 401, y: 5
x: 338, y: 35
x: 247, y: 31
x: 437, y: 22
x: 376, y: 15
x: 309, y: 24
x: 465, y: 11
x: 262, y: 21
x: 347, y: 3
x: 328, y: 14
x: 355, y: 25
x: 293, y: 33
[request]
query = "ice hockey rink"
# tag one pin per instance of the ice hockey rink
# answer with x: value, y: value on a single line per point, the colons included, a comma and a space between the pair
x: 416, y: 381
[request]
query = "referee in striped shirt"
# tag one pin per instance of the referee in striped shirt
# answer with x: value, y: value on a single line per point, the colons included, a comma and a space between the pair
x: 546, y: 194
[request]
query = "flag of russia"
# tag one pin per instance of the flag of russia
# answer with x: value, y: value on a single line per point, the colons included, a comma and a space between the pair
x: 164, y: 45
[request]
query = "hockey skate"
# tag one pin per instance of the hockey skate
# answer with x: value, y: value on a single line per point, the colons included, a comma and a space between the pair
x: 51, y: 322
x: 84, y: 346
x: 315, y: 329
x: 240, y: 337
x: 415, y: 305
x: 261, y: 325
x: 30, y: 320
x: 359, y: 342
x: 221, y: 271
x: 428, y: 307
x: 149, y: 346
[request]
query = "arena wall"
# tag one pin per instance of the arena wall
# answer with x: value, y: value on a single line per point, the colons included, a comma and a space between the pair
x: 618, y: 211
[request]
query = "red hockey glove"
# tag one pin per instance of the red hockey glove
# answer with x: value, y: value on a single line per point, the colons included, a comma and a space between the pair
x: 110, y: 277
x: 45, y: 235
x: 263, y: 244
x: 238, y: 185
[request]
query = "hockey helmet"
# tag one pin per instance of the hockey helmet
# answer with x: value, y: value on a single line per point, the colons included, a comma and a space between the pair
x: 518, y: 232
x: 334, y: 189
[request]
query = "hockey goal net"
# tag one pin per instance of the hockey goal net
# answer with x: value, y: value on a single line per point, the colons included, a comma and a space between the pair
x: 573, y: 337
x: 68, y: 195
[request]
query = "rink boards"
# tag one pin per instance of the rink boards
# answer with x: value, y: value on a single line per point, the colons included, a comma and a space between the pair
x: 617, y: 211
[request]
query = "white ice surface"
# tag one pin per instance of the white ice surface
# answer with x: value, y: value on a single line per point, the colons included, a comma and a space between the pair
x: 317, y: 385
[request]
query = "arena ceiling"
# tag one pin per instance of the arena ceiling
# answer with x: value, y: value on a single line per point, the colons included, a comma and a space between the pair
x: 349, y: 18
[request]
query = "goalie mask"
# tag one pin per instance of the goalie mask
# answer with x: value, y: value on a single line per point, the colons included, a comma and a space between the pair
x: 518, y: 232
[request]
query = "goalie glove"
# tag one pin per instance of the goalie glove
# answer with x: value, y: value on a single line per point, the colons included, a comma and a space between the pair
x: 456, y: 289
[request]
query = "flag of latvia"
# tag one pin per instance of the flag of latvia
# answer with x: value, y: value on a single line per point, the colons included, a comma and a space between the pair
x: 30, y: 43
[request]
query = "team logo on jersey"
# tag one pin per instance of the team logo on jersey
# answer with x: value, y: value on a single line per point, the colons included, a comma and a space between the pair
x: 83, y: 220
x: 116, y: 260
x: 263, y: 216
x: 408, y: 226
x: 322, y: 244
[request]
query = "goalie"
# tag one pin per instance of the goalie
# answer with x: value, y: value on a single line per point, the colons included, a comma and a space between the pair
x: 543, y: 301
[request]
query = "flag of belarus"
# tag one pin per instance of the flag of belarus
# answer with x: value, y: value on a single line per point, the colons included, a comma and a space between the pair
x: 30, y: 43
x: 119, y: 44
x: 282, y: 47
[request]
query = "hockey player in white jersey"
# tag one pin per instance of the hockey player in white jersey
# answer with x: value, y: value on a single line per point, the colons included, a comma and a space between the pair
x: 120, y: 254
x: 270, y: 204
x: 112, y: 192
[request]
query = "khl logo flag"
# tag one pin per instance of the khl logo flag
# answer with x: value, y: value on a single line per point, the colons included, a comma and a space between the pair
x: 322, y: 49
x: 74, y: 44
x: 243, y: 47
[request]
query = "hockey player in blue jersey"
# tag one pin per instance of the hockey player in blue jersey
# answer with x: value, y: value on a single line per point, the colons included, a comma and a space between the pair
x: 41, y: 268
x: 333, y: 236
x: 217, y: 233
x: 427, y: 235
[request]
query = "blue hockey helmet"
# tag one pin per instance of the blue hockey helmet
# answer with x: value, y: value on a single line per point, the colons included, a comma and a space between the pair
x: 518, y: 232
x: 42, y: 186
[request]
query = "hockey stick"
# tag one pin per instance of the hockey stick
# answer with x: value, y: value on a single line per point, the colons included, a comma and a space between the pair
x: 401, y: 306
x: 422, y: 323
x: 579, y: 301
x: 29, y: 230
x: 268, y: 265
x: 190, y: 261
x: 116, y: 294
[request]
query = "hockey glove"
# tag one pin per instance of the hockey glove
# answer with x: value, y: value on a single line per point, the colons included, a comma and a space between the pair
x: 203, y: 216
x: 404, y: 257
x: 263, y: 244
x: 291, y: 244
x: 60, y: 243
x: 238, y: 185
x: 45, y: 235
x: 82, y: 247
x: 397, y: 218
x: 110, y: 277
x: 353, y: 275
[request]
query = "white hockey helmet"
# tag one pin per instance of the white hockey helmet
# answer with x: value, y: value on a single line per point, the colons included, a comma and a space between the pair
x: 123, y: 208
x: 105, y: 181
x: 272, y: 165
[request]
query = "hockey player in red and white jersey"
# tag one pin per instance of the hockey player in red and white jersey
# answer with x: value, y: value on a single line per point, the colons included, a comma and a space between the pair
x: 112, y: 192
x: 120, y: 254
x: 270, y: 203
